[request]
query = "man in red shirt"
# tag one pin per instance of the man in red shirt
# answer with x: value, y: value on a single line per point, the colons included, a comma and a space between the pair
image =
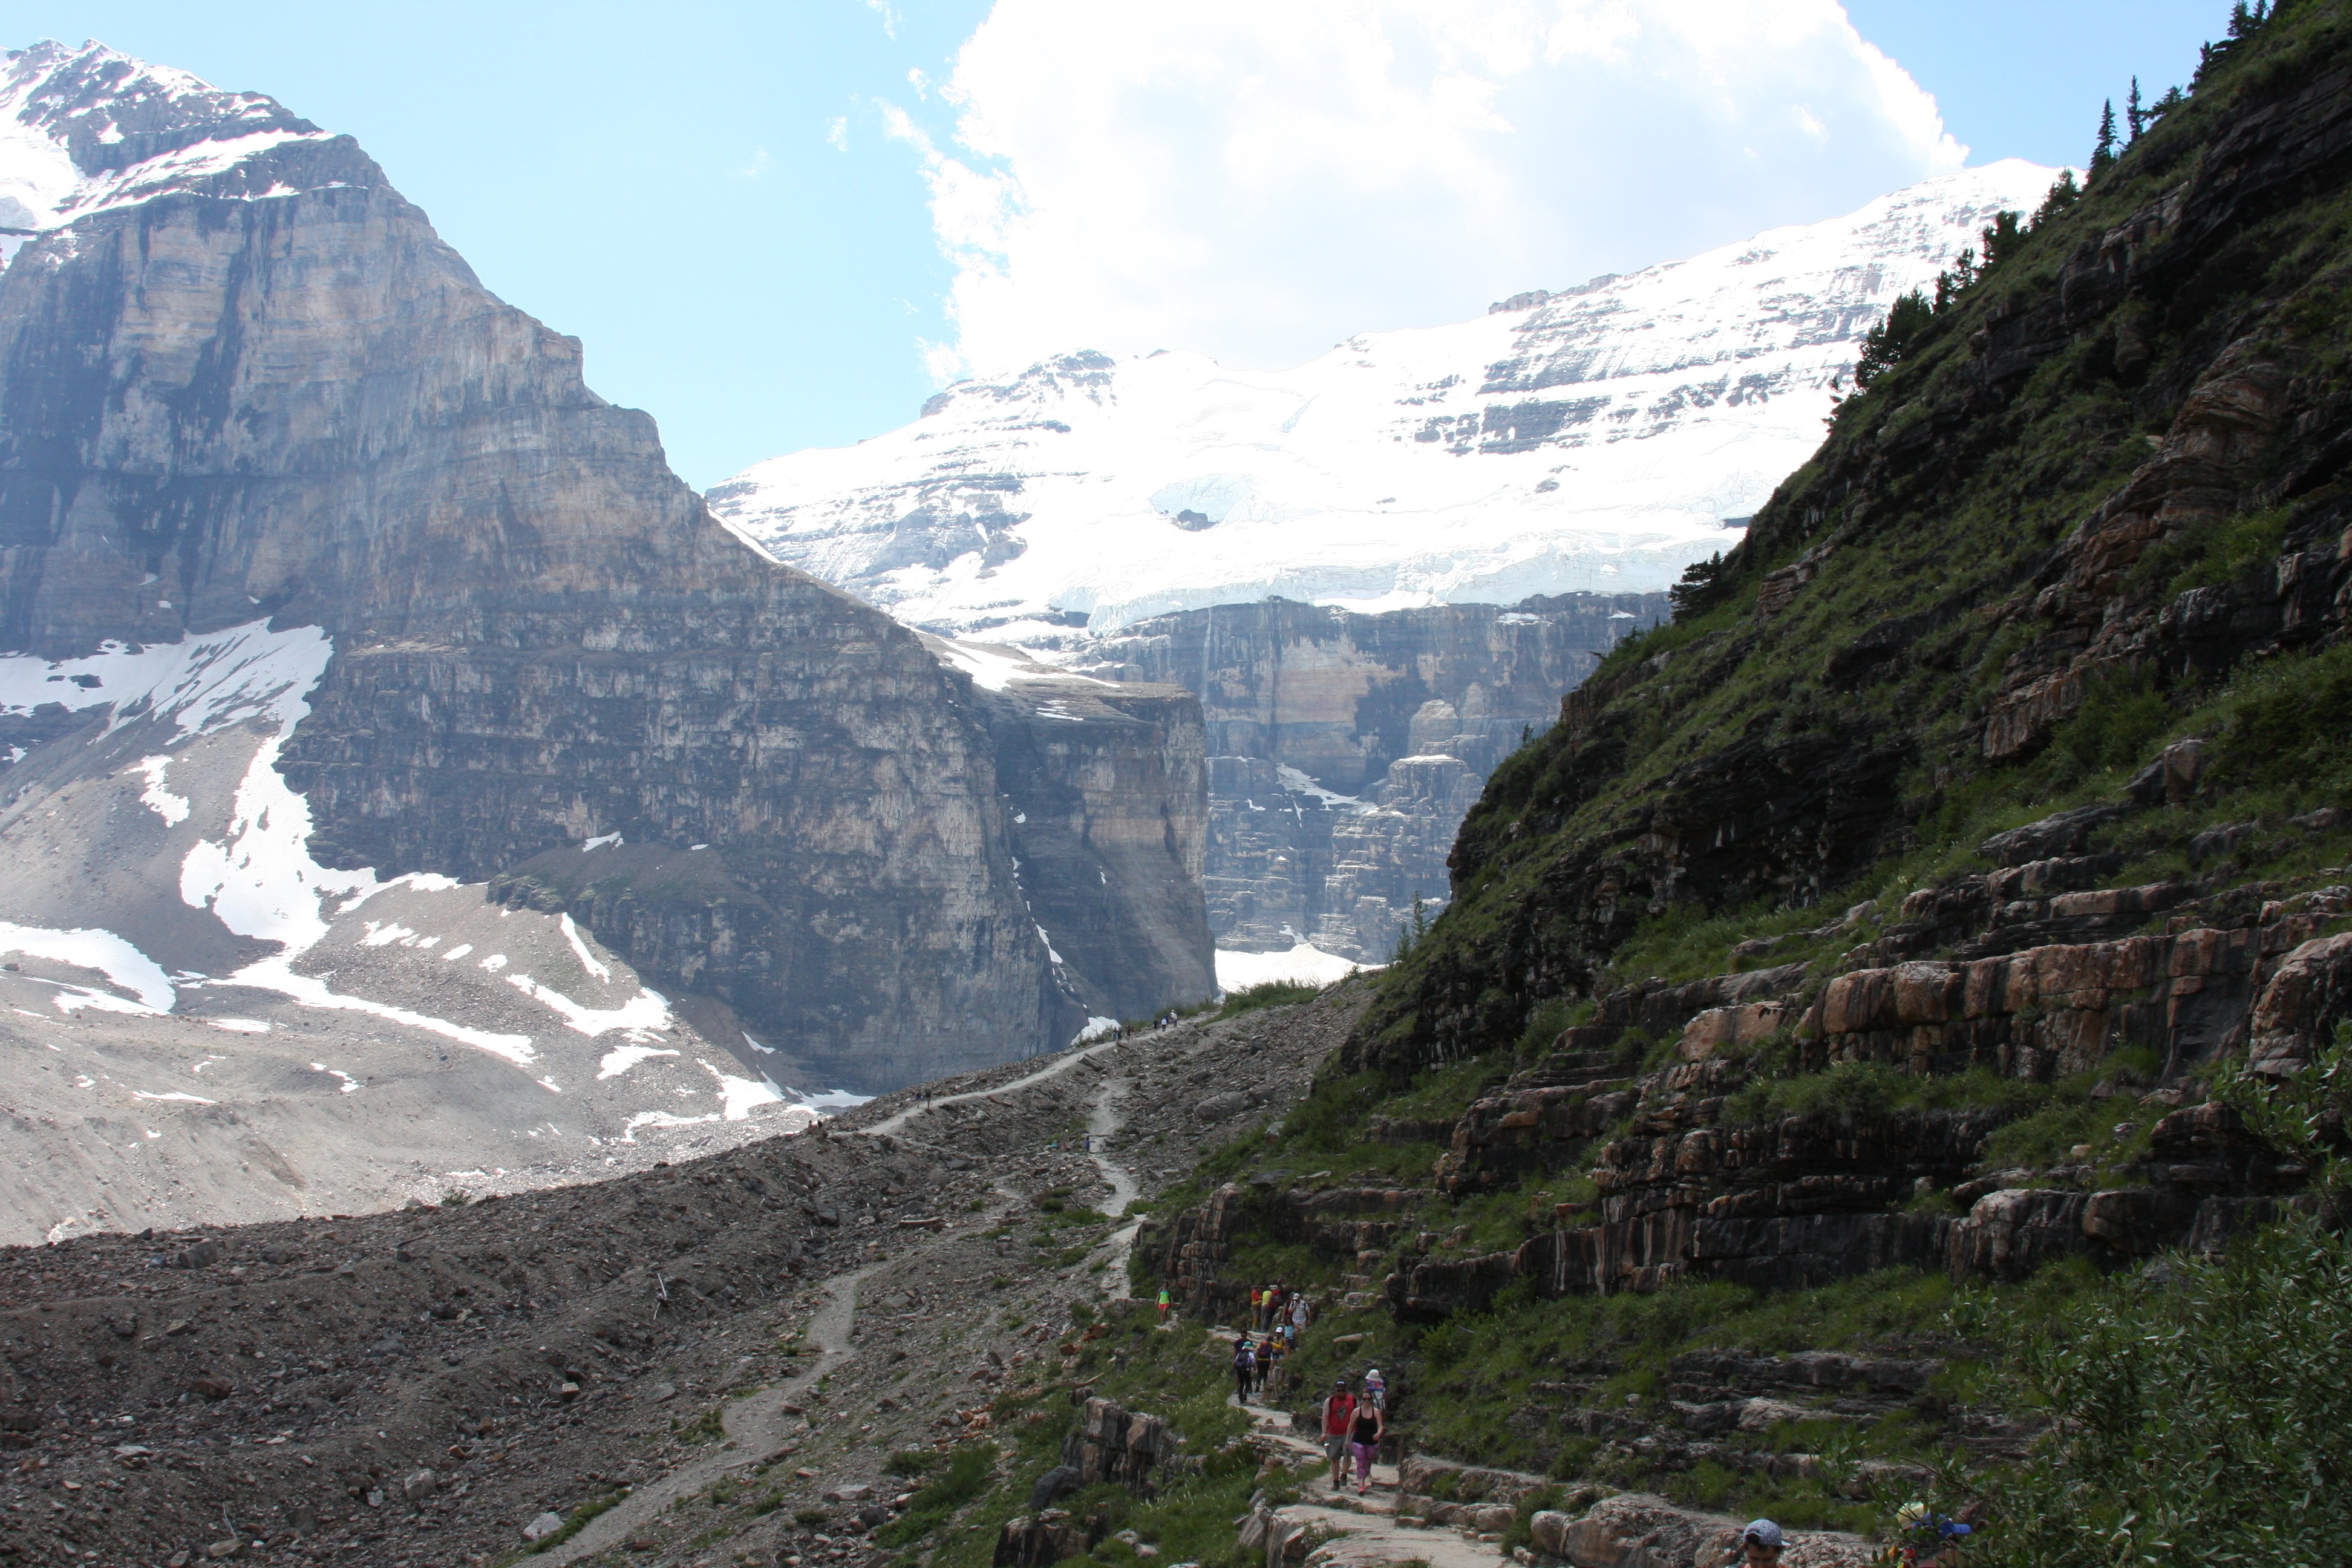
x: 1338, y: 1411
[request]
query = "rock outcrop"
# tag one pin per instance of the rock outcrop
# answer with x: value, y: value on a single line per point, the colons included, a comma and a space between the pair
x: 1344, y: 750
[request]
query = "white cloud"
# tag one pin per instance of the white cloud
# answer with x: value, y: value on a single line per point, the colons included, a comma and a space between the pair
x: 889, y: 14
x: 1258, y: 179
x: 757, y: 166
x: 836, y: 133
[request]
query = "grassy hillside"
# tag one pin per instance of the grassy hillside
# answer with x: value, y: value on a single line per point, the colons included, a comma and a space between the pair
x: 1750, y: 1047
x: 1769, y: 756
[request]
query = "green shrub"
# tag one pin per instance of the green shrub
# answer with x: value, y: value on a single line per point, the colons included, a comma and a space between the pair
x: 2121, y: 716
x: 2287, y: 721
x: 2199, y: 1415
x: 1267, y: 994
x: 966, y: 1478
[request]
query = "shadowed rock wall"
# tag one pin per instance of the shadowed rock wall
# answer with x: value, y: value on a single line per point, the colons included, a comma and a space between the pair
x: 1345, y: 748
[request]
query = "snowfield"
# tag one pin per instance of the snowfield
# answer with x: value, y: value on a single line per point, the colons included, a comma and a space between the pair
x: 1600, y: 438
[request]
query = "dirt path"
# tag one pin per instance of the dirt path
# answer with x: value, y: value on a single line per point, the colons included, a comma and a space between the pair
x: 1060, y: 1066
x: 1103, y: 1122
x: 755, y: 1428
x: 757, y: 1425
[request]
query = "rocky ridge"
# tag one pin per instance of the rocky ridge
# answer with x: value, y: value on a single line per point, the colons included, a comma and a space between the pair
x: 1957, y: 887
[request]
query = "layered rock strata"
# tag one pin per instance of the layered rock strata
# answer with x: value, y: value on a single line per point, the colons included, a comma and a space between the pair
x: 1689, y: 1188
x: 1344, y: 750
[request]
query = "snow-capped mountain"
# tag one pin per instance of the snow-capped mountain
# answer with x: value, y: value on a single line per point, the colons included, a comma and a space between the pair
x: 89, y: 130
x: 1597, y: 438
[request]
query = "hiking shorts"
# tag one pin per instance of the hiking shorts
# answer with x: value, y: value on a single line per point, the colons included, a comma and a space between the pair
x: 1334, y: 1445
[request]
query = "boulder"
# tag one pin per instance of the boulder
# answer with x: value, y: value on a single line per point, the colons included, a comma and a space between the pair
x: 1632, y: 1529
x: 1550, y: 1527
x: 1223, y: 1107
x: 1117, y: 1445
x: 1053, y: 1485
x: 2172, y: 777
x: 2296, y: 1015
x: 540, y: 1528
x: 1033, y: 1541
x: 2008, y: 1235
x: 420, y: 1485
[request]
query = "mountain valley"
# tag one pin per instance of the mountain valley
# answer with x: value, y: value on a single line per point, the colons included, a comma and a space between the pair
x: 1873, y: 1047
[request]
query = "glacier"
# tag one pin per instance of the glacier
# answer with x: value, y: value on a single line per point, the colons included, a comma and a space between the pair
x: 1598, y: 438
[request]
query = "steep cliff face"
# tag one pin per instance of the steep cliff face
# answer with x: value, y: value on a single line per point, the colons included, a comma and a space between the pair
x: 1345, y: 750
x: 269, y: 390
x: 1107, y: 786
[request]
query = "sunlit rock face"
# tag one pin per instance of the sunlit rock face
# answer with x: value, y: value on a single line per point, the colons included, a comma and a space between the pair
x: 242, y: 379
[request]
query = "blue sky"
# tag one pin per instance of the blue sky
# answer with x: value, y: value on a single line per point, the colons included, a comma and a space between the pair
x: 773, y: 229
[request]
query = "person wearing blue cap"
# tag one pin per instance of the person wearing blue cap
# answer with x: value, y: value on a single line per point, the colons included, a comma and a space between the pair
x: 1759, y: 1543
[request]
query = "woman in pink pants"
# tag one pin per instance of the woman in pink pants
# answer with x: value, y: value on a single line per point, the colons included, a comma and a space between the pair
x: 1364, y: 1439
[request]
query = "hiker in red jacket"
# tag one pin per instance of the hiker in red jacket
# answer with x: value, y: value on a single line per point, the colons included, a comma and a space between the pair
x: 1339, y: 1411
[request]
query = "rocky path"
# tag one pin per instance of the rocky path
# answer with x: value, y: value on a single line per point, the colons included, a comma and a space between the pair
x: 755, y: 1428
x: 1362, y: 1531
x: 1103, y: 1122
x: 1060, y: 1065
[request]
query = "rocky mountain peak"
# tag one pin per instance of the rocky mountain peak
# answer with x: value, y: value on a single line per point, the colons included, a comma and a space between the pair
x: 83, y: 129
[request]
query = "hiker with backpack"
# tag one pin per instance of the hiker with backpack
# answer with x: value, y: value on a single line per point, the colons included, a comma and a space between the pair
x: 1245, y: 1369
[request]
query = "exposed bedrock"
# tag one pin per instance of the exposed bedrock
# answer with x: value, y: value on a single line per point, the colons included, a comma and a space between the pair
x: 1107, y: 789
x: 215, y: 409
x: 1344, y: 750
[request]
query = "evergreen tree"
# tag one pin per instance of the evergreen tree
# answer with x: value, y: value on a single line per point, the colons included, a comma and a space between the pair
x: 1883, y: 346
x: 2173, y: 99
x: 2135, y: 116
x: 2063, y: 194
x: 2002, y: 237
x: 1953, y: 281
x: 1699, y: 588
x: 2104, y: 154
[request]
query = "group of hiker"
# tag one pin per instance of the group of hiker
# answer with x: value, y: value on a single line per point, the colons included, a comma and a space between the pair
x: 1255, y: 1362
x: 1276, y: 1310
